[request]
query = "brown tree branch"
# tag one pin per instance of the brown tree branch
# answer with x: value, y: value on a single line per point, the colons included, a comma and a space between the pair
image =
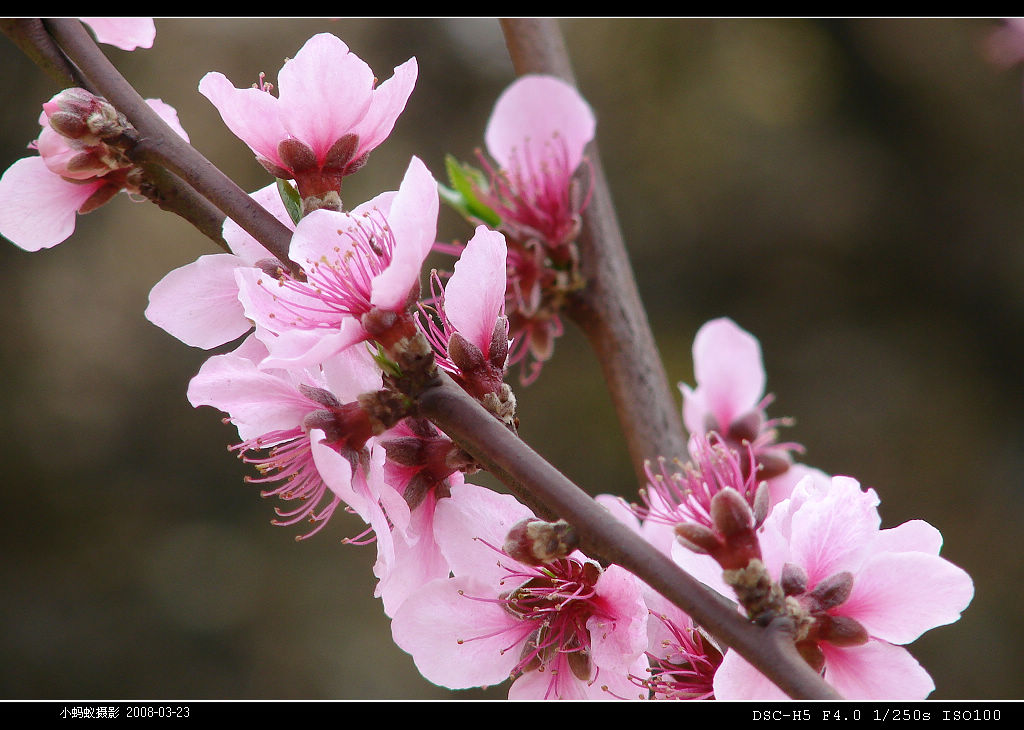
x: 769, y: 649
x: 608, y: 309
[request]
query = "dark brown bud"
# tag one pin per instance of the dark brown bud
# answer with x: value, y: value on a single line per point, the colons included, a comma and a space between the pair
x: 771, y: 465
x: 762, y: 500
x: 579, y: 663
x: 406, y: 451
x: 833, y: 591
x: 535, y: 542
x: 812, y: 654
x: 793, y: 579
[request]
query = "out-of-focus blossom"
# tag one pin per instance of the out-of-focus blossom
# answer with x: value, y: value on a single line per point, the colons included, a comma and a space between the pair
x: 125, y: 33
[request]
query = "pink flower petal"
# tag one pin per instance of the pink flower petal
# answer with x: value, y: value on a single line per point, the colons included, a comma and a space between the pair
x: 37, y: 208
x: 729, y: 373
x: 389, y: 100
x: 198, y: 303
x: 472, y: 515
x: 475, y: 294
x: 876, y: 671
x: 251, y: 114
x: 539, y: 109
x: 258, y: 402
x: 736, y: 679
x: 124, y: 33
x: 899, y: 596
x: 413, y: 222
x: 456, y: 640
x: 324, y: 90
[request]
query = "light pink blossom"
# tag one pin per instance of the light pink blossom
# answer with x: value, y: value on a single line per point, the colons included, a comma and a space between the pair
x: 565, y: 630
x: 302, y: 430
x: 361, y: 270
x: 328, y: 115
x: 867, y: 591
x: 125, y: 33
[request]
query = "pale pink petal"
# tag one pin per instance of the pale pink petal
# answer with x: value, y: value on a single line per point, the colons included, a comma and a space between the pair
x: 258, y: 402
x: 247, y: 248
x: 169, y: 114
x: 475, y: 294
x: 875, y: 671
x: 388, y: 102
x: 418, y: 560
x: 323, y: 234
x: 833, y: 534
x: 56, y: 153
x: 38, y: 208
x: 899, y: 596
x: 324, y: 90
x: 539, y: 109
x: 251, y: 114
x: 702, y: 567
x: 729, y: 373
x: 469, y: 517
x: 336, y: 471
x: 351, y: 373
x: 736, y: 679
x: 198, y: 303
x: 124, y: 33
x: 413, y: 222
x: 618, y: 640
x: 913, y: 536
x: 306, y: 348
x: 457, y: 634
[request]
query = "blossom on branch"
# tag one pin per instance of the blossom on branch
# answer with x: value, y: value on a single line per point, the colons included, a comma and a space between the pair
x: 328, y: 115
x: 125, y: 33
x: 864, y: 592
x: 82, y: 164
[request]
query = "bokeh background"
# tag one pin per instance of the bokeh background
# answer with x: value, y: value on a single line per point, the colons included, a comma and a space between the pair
x: 851, y: 192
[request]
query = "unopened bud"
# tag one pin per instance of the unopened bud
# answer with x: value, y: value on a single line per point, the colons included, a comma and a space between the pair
x: 771, y: 465
x: 762, y: 501
x: 321, y: 396
x: 730, y: 513
x: 535, y: 542
x: 698, y: 538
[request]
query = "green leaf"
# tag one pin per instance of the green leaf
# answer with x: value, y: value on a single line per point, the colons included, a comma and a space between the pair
x: 290, y: 198
x: 465, y: 181
x: 386, y: 364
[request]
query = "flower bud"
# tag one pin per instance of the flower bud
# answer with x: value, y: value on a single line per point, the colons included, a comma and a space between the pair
x: 535, y: 542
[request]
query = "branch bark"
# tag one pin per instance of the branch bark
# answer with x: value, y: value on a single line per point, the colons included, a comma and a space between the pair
x: 608, y: 309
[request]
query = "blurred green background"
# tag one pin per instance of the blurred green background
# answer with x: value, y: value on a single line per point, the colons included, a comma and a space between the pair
x: 851, y: 192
